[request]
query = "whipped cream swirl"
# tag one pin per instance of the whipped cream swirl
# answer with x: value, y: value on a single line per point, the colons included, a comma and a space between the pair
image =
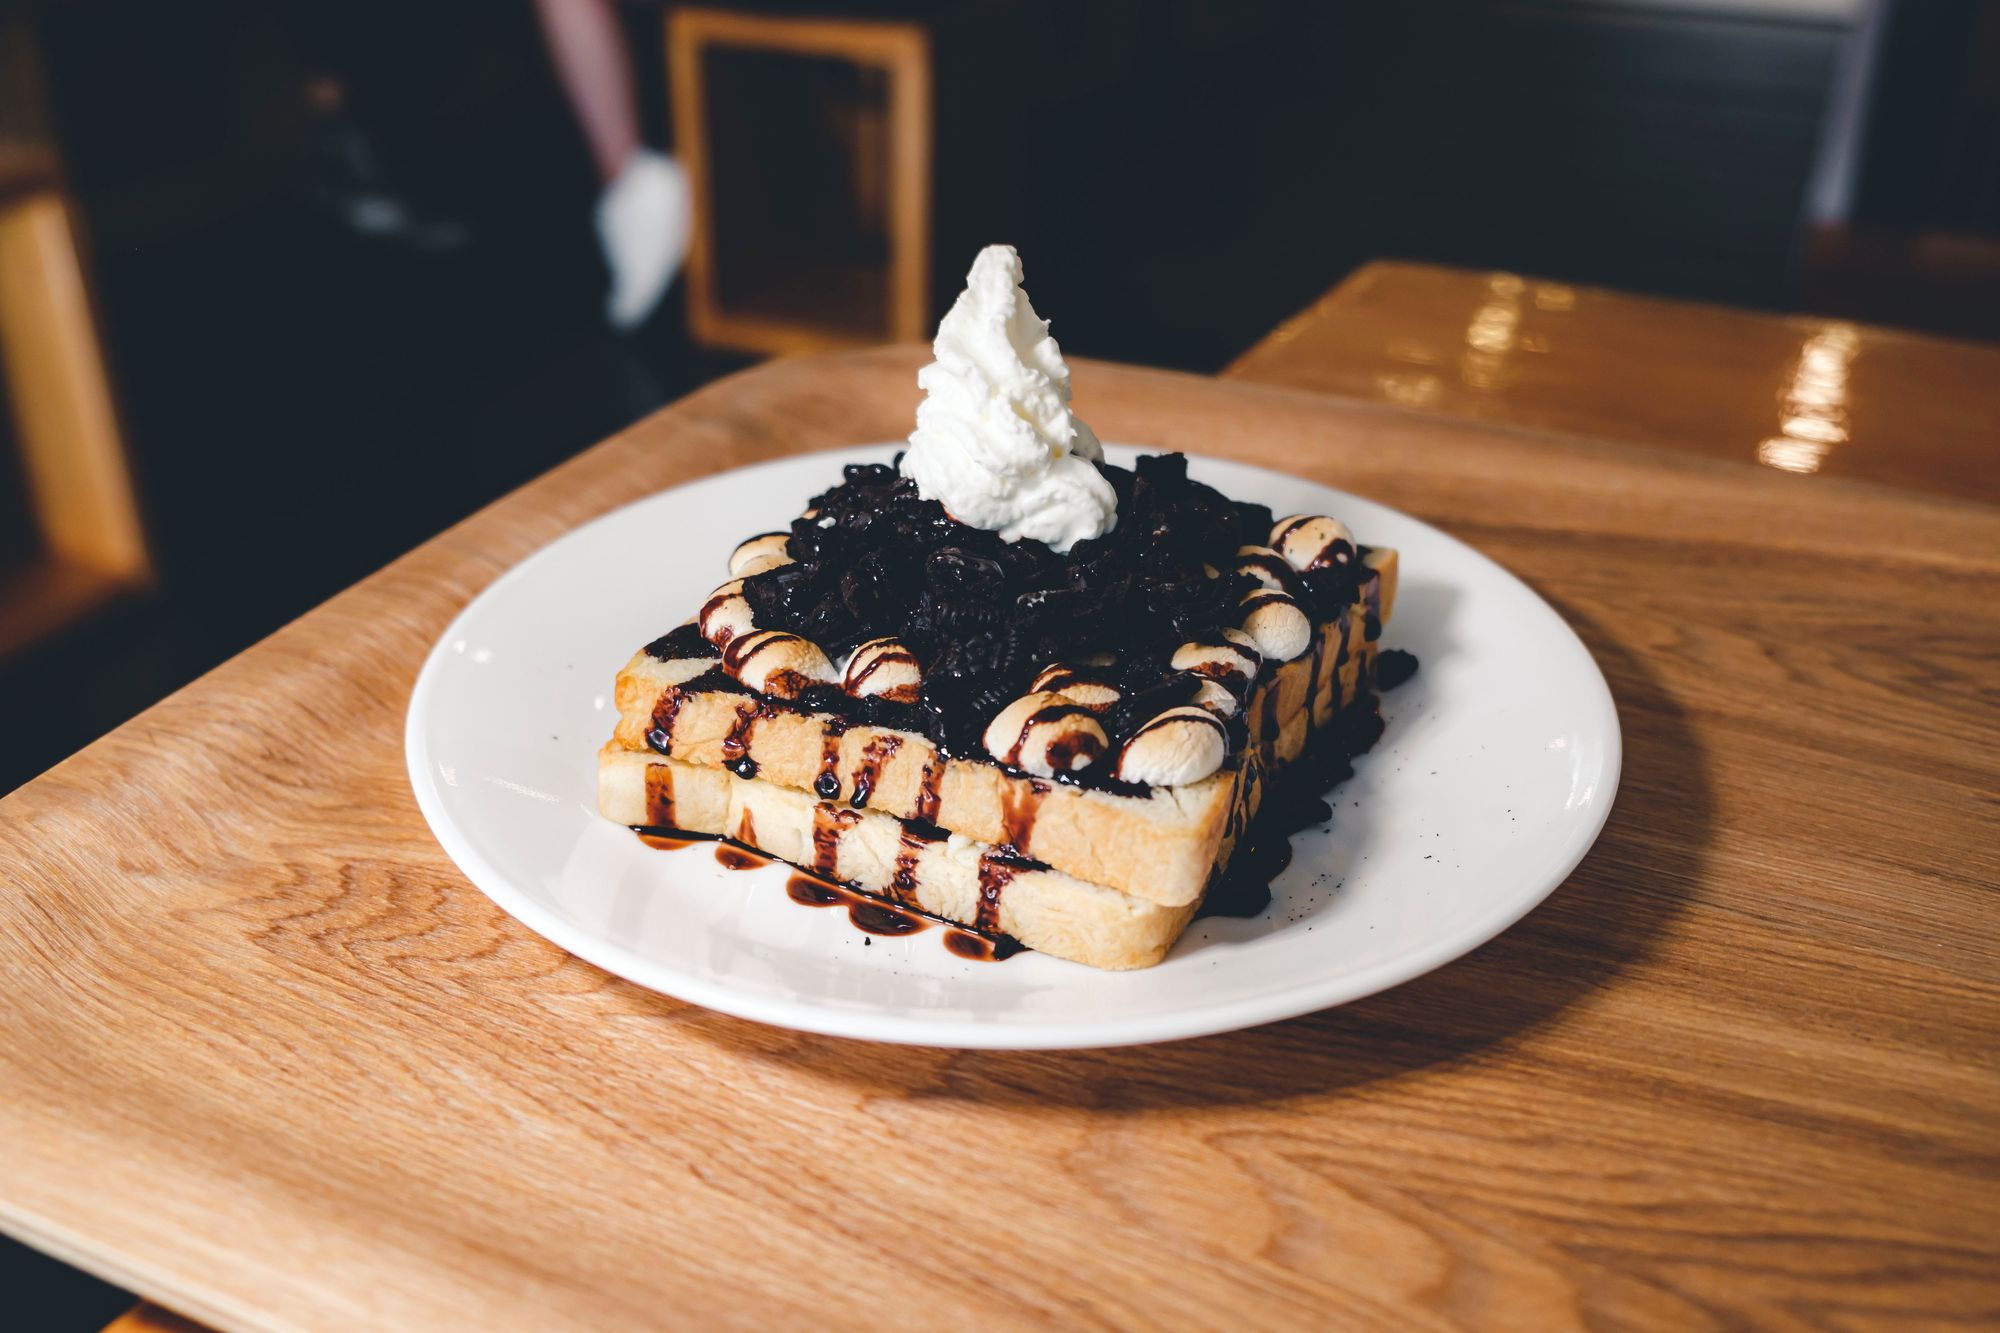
x: 996, y: 443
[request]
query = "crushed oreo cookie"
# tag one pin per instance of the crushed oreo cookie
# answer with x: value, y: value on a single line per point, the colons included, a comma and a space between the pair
x: 983, y: 615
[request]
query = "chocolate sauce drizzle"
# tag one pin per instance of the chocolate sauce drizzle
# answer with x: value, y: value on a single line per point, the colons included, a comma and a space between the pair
x: 660, y: 796
x: 1274, y: 567
x: 876, y: 917
x: 1287, y: 528
x: 903, y: 878
x: 929, y: 793
x: 1200, y: 717
x: 996, y: 871
x: 828, y: 824
x: 874, y: 754
x: 1269, y: 729
x: 876, y: 662
x: 866, y: 911
x: 660, y: 735
x: 733, y: 857
x: 1020, y: 804
x: 868, y: 914
x: 1264, y: 597
x: 827, y: 785
x: 715, y: 603
x: 1312, y: 680
x: 736, y: 745
x: 1063, y: 751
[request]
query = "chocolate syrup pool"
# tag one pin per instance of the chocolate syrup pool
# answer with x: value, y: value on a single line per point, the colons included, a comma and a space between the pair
x: 868, y: 913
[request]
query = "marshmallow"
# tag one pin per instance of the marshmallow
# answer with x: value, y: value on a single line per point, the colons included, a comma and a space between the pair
x: 762, y: 564
x: 1216, y: 697
x: 1078, y: 686
x: 1274, y: 621
x: 1181, y: 745
x: 725, y: 614
x: 883, y: 669
x: 767, y: 550
x: 1268, y: 568
x: 1233, y: 663
x: 773, y: 662
x: 1046, y: 734
x: 1308, y: 541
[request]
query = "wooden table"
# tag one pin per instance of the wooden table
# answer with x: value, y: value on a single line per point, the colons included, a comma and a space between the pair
x: 1794, y: 393
x: 270, y: 1060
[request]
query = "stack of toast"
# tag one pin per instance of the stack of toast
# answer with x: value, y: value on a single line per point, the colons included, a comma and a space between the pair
x: 1082, y: 840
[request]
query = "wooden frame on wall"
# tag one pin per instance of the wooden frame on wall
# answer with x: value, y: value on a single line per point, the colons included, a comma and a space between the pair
x: 901, y: 51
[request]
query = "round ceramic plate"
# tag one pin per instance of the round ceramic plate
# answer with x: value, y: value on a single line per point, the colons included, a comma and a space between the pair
x: 1493, y: 776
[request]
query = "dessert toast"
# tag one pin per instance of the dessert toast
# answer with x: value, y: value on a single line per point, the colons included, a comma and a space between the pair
x: 1003, y: 681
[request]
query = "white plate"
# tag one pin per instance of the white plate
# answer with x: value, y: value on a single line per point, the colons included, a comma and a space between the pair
x: 1493, y: 777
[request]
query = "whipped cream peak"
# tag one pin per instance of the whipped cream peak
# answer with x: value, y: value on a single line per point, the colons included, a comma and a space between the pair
x: 996, y: 442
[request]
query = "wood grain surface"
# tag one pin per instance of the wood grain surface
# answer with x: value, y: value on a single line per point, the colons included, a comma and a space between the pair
x: 271, y: 1061
x: 1794, y: 393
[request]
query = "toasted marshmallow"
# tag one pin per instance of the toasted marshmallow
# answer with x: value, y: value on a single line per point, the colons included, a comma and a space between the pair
x: 767, y: 550
x: 762, y: 564
x: 1234, y: 663
x: 1280, y: 629
x: 1382, y: 559
x: 1308, y: 541
x: 1078, y: 686
x: 1268, y: 568
x: 771, y: 661
x: 883, y: 669
x: 1181, y: 745
x: 725, y: 614
x: 681, y: 670
x: 1217, y: 698
x: 1046, y: 734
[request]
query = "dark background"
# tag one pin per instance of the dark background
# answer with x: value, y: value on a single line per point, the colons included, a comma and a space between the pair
x: 302, y: 403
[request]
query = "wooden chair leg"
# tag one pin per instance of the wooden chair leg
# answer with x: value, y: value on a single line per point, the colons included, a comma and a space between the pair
x: 145, y: 1317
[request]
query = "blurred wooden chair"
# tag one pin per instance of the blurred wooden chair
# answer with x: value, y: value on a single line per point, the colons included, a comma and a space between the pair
x: 146, y: 1317
x: 808, y: 143
x: 87, y: 546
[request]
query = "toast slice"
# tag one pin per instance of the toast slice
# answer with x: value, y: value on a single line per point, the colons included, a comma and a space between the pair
x: 1158, y: 843
x: 947, y: 875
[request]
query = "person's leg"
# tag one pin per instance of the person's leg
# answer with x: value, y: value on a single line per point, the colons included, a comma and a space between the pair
x: 642, y: 216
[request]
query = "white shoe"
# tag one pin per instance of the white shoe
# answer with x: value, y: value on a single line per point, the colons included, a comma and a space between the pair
x: 643, y: 220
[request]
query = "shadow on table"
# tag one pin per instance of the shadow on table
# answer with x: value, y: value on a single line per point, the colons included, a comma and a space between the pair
x: 1605, y: 917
